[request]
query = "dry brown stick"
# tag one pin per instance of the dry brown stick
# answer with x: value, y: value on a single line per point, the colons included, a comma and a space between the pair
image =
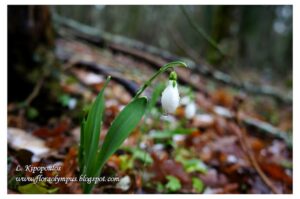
x: 35, y: 91
x: 21, y: 109
x: 240, y: 132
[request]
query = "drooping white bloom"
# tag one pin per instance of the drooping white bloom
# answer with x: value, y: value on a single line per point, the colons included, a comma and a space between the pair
x: 170, y: 97
x: 190, y: 110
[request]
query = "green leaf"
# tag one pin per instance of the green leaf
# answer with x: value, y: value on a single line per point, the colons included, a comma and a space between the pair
x: 121, y: 127
x: 173, y: 184
x: 92, y: 127
x: 195, y: 165
x: 143, y: 156
x: 12, y: 183
x: 64, y: 99
x: 126, y: 162
x: 139, y: 154
x: 81, y: 155
x: 192, y: 165
x: 89, y: 137
x: 32, y: 188
x: 160, y: 187
x: 169, y: 133
x: 32, y: 112
x: 198, y: 185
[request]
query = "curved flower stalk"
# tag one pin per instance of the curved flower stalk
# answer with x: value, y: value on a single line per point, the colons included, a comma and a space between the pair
x: 161, y: 70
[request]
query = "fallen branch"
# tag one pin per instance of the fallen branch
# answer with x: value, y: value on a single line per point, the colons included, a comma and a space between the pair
x: 248, y: 150
x: 272, y: 131
x: 100, y: 38
x: 262, y: 129
x: 130, y: 86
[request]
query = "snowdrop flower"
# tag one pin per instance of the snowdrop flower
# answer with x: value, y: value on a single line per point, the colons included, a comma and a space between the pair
x: 170, y: 96
x: 190, y: 110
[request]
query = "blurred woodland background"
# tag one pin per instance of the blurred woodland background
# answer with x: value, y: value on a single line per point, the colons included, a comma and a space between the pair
x: 240, y: 77
x: 257, y: 39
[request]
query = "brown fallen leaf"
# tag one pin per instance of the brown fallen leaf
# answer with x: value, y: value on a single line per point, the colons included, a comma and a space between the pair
x: 163, y: 166
x: 276, y: 172
x: 60, y: 128
x: 223, y: 98
x: 214, y: 179
x: 68, y: 170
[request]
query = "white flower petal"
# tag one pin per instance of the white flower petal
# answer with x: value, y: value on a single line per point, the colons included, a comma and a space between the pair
x: 170, y: 98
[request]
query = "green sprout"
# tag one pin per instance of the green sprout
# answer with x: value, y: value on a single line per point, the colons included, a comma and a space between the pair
x: 91, y: 157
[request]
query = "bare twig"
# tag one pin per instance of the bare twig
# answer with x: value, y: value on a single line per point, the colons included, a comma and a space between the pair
x: 22, y: 109
x: 248, y: 150
x: 266, y: 127
x: 199, y: 30
x: 35, y: 91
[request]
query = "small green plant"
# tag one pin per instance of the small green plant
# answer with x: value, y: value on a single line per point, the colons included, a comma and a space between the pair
x: 92, y: 157
x: 198, y: 185
x: 173, y: 184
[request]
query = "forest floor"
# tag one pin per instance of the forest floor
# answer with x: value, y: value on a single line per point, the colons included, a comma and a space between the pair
x: 216, y: 151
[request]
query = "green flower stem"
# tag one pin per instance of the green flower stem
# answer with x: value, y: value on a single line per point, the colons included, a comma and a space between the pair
x: 161, y: 70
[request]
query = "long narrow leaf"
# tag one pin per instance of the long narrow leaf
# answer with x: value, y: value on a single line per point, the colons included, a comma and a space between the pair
x: 120, y: 129
x: 81, y: 153
x: 92, y: 128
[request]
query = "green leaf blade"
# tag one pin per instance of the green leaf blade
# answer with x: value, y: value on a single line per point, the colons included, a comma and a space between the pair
x: 93, y: 126
x: 173, y: 184
x: 121, y: 127
x: 39, y: 188
x: 198, y: 184
x: 81, y: 155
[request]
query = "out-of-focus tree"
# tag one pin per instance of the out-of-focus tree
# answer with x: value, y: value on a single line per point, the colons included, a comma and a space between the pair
x: 29, y: 28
